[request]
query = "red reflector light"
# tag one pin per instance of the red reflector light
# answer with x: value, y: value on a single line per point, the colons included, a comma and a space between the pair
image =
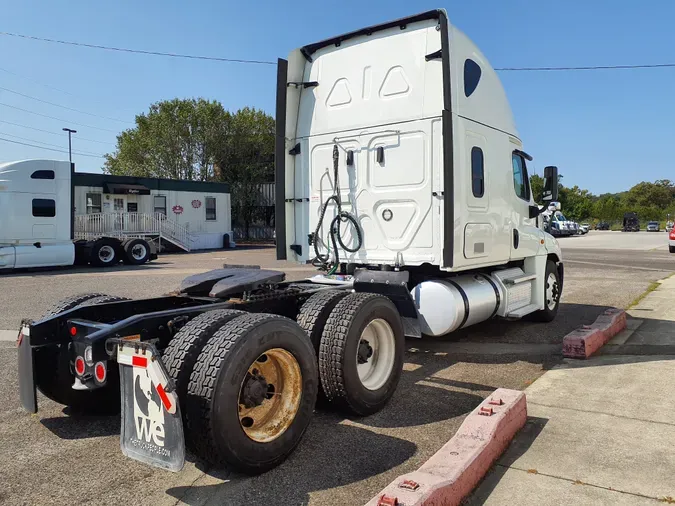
x: 79, y: 366
x: 672, y: 234
x: 137, y: 361
x: 100, y: 372
x: 73, y: 331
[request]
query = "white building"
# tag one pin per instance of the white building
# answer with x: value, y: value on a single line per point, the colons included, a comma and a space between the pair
x: 195, y: 215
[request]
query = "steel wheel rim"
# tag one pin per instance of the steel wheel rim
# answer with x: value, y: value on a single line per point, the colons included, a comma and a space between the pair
x: 138, y: 252
x: 375, y: 354
x: 106, y: 253
x: 551, y: 291
x: 275, y: 413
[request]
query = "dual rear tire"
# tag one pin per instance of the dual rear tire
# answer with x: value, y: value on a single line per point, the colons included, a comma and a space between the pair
x: 106, y: 252
x: 247, y: 386
x: 360, y: 343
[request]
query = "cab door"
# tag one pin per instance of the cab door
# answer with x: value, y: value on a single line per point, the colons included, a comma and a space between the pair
x: 525, y: 235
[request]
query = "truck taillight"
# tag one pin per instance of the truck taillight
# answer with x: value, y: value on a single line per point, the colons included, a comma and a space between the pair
x: 73, y: 331
x: 100, y: 372
x: 79, y: 366
x: 672, y: 234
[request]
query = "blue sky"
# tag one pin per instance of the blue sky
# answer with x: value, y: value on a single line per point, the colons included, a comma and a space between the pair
x: 606, y: 130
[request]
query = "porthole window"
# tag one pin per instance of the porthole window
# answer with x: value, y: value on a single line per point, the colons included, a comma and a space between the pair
x: 472, y: 73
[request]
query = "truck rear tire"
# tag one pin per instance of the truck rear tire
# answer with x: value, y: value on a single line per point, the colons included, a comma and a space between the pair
x: 671, y: 249
x: 361, y: 353
x: 252, y: 393
x: 136, y: 252
x: 551, y: 295
x: 312, y: 318
x: 53, y: 371
x: 105, y: 252
x: 184, y: 348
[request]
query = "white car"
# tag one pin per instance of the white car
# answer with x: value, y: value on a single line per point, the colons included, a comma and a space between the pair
x: 584, y: 228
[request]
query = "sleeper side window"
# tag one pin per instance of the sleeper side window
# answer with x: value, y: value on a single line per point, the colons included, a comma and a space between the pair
x: 477, y: 172
x: 42, y: 174
x: 472, y: 75
x: 44, y: 208
x: 520, y: 179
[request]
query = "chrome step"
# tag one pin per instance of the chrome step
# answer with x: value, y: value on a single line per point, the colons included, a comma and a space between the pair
x: 519, y: 279
x: 523, y: 311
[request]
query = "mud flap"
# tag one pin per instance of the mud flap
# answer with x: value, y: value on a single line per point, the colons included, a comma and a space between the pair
x: 27, y: 389
x: 152, y: 427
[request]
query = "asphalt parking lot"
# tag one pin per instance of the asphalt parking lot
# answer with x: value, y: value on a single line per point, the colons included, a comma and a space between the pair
x: 54, y: 458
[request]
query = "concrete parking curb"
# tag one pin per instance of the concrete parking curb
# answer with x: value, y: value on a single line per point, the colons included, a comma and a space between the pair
x: 453, y: 472
x: 585, y: 341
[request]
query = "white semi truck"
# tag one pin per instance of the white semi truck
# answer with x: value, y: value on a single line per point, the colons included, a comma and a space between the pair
x: 37, y: 222
x: 401, y: 175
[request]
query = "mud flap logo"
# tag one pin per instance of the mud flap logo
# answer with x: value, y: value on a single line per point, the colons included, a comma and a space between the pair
x: 152, y: 426
x: 148, y: 411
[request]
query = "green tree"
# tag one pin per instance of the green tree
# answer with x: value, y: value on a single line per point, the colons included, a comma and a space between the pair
x: 537, y: 187
x: 175, y: 139
x: 246, y: 159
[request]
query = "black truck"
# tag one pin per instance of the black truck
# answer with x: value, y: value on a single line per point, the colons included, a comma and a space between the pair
x: 631, y: 223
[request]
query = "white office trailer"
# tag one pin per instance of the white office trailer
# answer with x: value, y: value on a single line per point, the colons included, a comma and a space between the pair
x: 53, y: 216
x: 195, y: 215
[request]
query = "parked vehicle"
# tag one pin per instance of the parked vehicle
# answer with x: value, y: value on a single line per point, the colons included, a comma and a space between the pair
x: 653, y: 226
x: 671, y: 241
x: 602, y: 225
x: 669, y: 226
x: 235, y: 352
x: 37, y: 226
x: 631, y: 223
x: 584, y: 228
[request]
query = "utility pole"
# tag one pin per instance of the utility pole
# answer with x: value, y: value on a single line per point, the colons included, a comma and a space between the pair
x: 70, y: 146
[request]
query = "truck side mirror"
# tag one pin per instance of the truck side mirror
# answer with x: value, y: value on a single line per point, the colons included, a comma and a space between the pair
x: 550, y: 184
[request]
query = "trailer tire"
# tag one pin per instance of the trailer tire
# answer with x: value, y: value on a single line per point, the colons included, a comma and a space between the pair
x: 183, y: 350
x: 551, y: 295
x: 366, y: 391
x: 53, y: 376
x: 136, y: 251
x: 226, y: 378
x: 105, y: 252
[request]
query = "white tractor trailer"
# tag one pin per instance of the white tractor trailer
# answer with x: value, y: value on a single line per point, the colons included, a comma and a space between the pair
x: 400, y: 174
x: 37, y: 220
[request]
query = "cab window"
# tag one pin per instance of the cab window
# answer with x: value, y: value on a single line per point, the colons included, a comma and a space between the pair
x: 520, y: 180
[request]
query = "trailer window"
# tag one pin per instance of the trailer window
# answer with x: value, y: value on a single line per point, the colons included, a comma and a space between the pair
x: 93, y: 203
x: 210, y: 208
x: 160, y: 204
x: 44, y: 208
x: 42, y: 174
x: 520, y: 180
x: 472, y: 74
x: 477, y: 173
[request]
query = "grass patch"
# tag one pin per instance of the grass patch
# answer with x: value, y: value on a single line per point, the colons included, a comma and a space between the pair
x: 652, y: 286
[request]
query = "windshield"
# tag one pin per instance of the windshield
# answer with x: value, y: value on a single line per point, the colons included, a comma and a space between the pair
x: 560, y: 217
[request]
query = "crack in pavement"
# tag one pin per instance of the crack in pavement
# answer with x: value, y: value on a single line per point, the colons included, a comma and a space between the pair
x: 579, y: 482
x: 600, y: 413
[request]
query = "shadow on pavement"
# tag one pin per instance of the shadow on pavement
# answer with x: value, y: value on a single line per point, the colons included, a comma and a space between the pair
x: 520, y: 444
x: 330, y: 455
x: 76, y: 426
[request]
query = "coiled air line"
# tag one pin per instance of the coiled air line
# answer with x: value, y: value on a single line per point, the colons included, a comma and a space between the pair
x: 323, y: 261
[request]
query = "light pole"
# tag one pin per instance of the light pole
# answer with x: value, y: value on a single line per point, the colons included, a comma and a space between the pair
x: 70, y: 148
